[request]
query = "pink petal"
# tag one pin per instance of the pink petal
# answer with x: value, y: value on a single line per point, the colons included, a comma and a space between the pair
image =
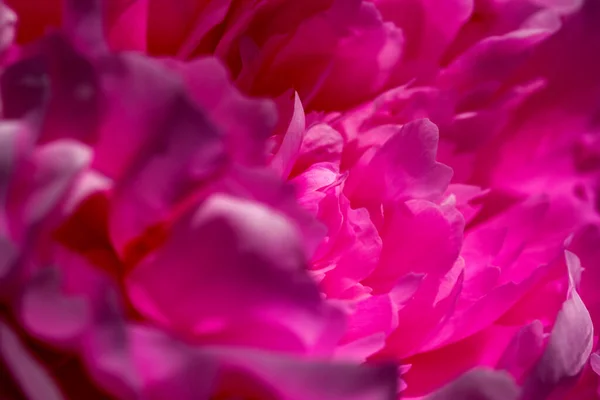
x: 336, y: 56
x: 356, y: 250
x: 429, y: 26
x: 127, y: 24
x: 50, y: 315
x: 186, y: 154
x: 524, y: 350
x: 272, y: 252
x: 410, y: 233
x: 431, y: 370
x: 246, y: 122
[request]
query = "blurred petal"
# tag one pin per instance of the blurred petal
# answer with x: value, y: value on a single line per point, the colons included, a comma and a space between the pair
x: 33, y: 380
x: 479, y: 384
x: 284, y: 295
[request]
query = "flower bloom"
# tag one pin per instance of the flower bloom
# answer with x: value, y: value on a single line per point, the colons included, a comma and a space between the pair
x: 404, y: 194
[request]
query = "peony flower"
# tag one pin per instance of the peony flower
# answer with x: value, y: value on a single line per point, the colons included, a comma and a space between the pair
x: 401, y: 182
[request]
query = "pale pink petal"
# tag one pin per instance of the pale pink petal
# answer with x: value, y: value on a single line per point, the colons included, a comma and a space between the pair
x: 479, y: 384
x: 8, y: 21
x: 291, y: 131
x: 33, y: 380
x: 293, y: 380
x: 569, y: 346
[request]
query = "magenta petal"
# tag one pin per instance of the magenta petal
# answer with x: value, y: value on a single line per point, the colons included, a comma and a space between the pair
x: 264, y: 187
x: 75, y: 102
x: 362, y: 62
x: 260, y: 276
x: 411, y: 232
x: 127, y: 24
x: 165, y: 367
x: 359, y: 350
x: 24, y: 88
x: 479, y: 384
x: 170, y: 369
x: 563, y: 6
x: 15, y: 141
x: 133, y: 85
x: 356, y: 250
x: 141, y: 362
x: 321, y: 143
x: 245, y: 122
x: 422, y: 317
x: 187, y: 152
x: 335, y: 54
x: 370, y: 316
x: 57, y: 86
x: 50, y: 315
x: 211, y: 17
x: 107, y: 350
x: 9, y: 254
x: 524, y: 350
x: 83, y: 22
x: 44, y: 182
x: 429, y: 26
x: 491, y: 60
x: 402, y: 169
x: 169, y: 24
x: 35, y: 383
